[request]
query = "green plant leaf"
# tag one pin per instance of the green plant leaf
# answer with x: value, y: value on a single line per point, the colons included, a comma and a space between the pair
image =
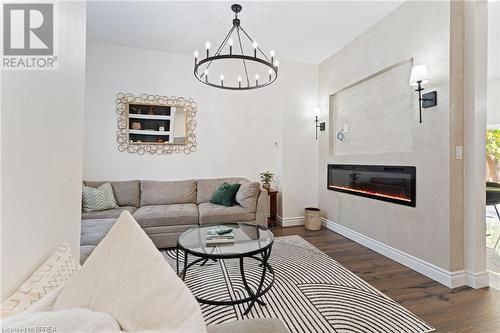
x: 493, y: 143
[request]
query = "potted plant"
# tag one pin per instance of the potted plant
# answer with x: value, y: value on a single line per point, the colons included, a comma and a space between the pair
x: 266, y: 178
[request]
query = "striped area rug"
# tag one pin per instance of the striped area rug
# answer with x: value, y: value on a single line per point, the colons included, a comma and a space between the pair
x: 311, y: 293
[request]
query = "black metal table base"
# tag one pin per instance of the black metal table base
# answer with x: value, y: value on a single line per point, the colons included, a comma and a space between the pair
x: 253, y: 296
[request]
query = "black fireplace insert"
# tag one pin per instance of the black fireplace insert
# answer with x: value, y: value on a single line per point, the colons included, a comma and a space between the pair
x: 394, y: 184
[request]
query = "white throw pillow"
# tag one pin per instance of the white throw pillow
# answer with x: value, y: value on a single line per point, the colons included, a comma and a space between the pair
x: 53, y: 273
x: 127, y: 277
x: 247, y: 195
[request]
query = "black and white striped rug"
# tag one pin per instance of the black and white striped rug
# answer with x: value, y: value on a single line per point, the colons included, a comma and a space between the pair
x: 311, y: 293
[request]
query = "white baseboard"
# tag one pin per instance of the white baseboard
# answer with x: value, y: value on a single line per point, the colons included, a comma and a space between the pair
x: 477, y: 280
x: 449, y: 279
x: 290, y: 221
x: 494, y: 280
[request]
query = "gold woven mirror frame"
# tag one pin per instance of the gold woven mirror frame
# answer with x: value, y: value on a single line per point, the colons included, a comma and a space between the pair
x: 122, y: 136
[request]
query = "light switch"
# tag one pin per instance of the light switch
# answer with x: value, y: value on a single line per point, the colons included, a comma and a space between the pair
x: 459, y: 152
x: 346, y: 128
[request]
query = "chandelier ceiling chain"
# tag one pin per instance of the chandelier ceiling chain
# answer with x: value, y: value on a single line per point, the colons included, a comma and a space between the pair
x: 201, y: 67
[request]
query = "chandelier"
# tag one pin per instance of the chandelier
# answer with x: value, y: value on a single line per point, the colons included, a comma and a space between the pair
x: 230, y: 55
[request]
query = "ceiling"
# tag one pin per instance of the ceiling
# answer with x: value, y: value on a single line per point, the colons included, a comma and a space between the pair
x: 305, y: 31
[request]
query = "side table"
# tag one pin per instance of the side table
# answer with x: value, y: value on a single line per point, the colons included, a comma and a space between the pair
x: 273, y: 207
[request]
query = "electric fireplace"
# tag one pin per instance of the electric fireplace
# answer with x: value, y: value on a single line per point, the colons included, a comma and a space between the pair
x: 394, y: 184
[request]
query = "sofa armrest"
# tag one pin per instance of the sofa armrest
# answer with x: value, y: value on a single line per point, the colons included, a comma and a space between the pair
x: 262, y: 208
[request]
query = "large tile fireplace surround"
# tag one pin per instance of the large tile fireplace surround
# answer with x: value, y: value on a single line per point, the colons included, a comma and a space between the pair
x: 390, y: 183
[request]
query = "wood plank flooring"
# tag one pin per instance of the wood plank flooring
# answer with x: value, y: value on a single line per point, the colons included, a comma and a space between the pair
x: 459, y: 310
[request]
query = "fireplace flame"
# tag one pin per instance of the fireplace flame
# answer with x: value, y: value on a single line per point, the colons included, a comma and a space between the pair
x: 390, y: 196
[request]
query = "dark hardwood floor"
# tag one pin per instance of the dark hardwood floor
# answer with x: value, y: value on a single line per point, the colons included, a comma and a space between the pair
x: 459, y: 310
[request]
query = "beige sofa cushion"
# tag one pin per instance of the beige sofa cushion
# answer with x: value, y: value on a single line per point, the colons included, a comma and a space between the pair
x: 128, y: 278
x: 127, y: 193
x: 93, y: 231
x: 247, y: 195
x: 211, y: 214
x: 166, y: 215
x: 108, y: 213
x: 207, y: 187
x: 54, y: 272
x: 167, y: 192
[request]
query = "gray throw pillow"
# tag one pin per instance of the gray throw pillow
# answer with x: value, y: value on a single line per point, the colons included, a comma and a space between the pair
x: 96, y: 199
x: 247, y: 196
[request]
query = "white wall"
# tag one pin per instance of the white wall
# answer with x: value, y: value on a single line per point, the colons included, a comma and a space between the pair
x: 418, y: 30
x: 493, y: 105
x: 41, y: 142
x: 389, y: 99
x: 298, y: 95
x: 475, y: 100
x: 238, y: 133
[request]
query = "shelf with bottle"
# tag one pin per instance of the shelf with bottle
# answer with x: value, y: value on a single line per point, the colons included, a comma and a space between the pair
x: 144, y: 139
x: 149, y: 116
x: 148, y: 132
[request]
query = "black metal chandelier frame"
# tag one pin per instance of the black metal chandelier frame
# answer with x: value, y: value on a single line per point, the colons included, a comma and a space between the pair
x: 249, y: 84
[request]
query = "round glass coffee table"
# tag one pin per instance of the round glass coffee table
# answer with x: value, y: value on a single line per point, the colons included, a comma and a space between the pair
x: 250, y: 241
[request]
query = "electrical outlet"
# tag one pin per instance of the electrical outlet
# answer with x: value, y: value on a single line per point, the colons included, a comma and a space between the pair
x: 459, y: 152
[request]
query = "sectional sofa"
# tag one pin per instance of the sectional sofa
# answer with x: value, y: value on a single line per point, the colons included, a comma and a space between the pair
x: 165, y: 209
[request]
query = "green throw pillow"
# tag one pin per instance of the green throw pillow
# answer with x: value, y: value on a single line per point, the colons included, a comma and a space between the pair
x: 96, y: 199
x: 225, y: 195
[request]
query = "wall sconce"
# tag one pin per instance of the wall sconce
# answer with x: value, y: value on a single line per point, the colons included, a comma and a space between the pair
x: 419, y: 77
x: 321, y: 126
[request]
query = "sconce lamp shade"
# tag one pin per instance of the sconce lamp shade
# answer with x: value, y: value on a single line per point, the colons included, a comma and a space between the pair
x: 315, y: 112
x: 419, y: 73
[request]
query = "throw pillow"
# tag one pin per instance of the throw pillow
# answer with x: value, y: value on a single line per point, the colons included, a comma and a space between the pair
x: 96, y: 199
x: 247, y: 196
x: 225, y: 195
x: 54, y: 272
x: 127, y: 277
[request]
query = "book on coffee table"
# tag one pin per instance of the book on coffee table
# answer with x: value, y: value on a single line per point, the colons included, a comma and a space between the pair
x: 219, y: 235
x: 219, y: 241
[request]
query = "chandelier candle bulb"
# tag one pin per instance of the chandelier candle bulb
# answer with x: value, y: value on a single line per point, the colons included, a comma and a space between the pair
x: 255, y: 46
x: 207, y: 46
x: 206, y: 75
x: 272, y: 54
x: 222, y: 80
x: 276, y: 63
x: 256, y: 79
x: 230, y: 42
x: 239, y: 81
x: 270, y: 74
x: 196, y: 54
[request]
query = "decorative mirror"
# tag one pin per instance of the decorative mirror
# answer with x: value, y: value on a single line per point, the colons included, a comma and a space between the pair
x: 155, y: 124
